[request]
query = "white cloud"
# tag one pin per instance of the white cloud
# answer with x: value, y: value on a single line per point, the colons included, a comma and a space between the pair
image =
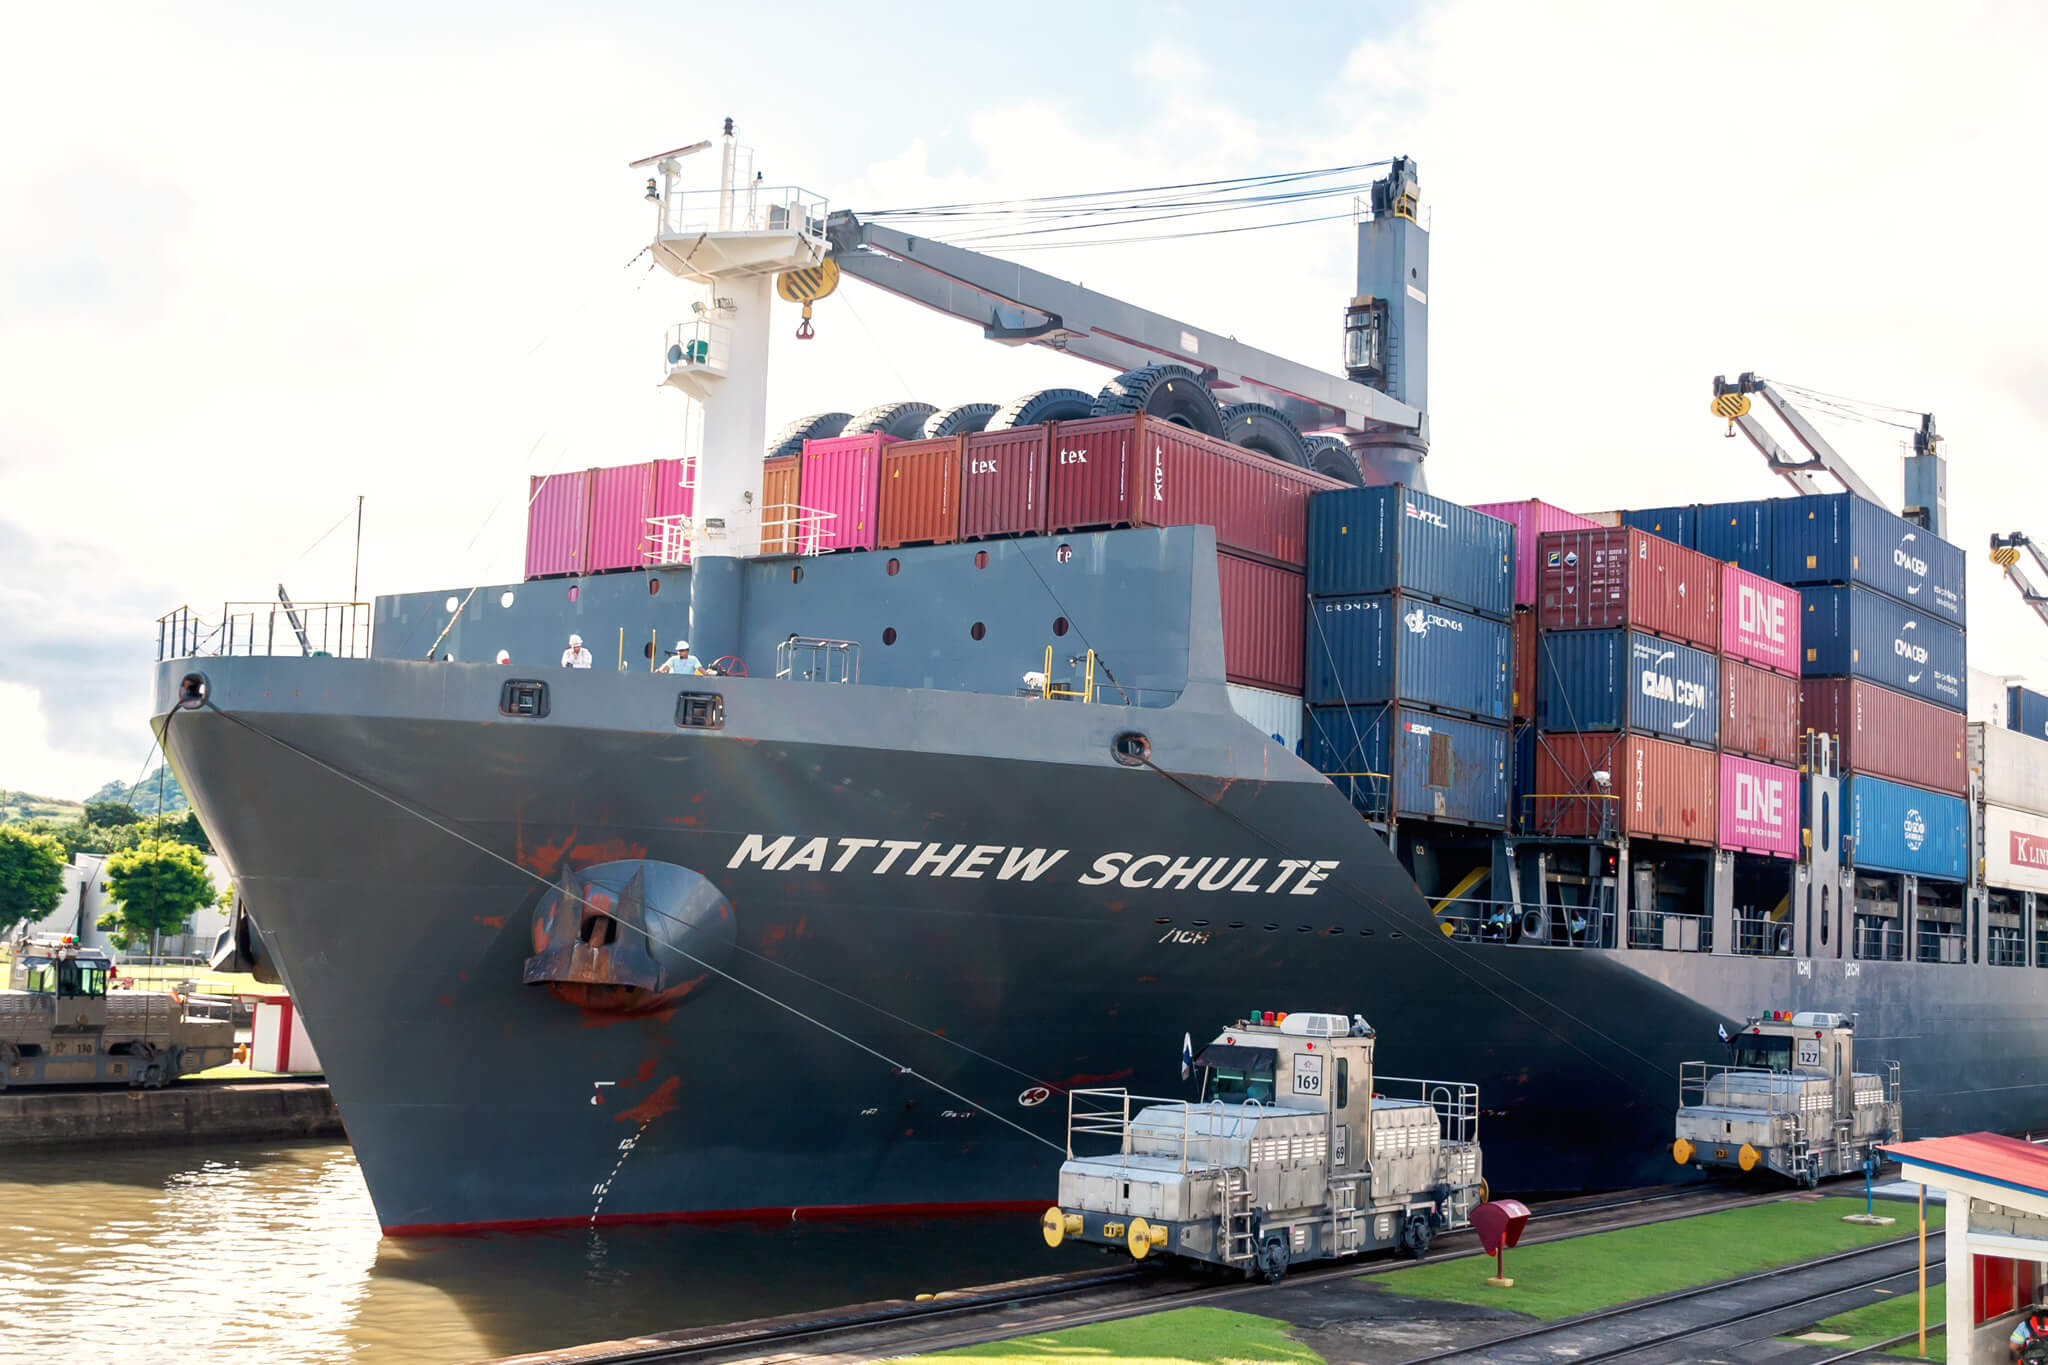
x: 32, y: 760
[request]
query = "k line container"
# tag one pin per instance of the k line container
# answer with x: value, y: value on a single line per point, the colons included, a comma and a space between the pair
x: 621, y: 500
x: 1667, y: 523
x: 1393, y: 539
x: 1896, y: 828
x: 781, y: 478
x: 1413, y: 764
x: 1002, y: 483
x: 1278, y: 714
x: 1657, y: 789
x: 2015, y: 849
x: 2014, y: 767
x: 1759, y: 620
x: 1759, y: 807
x: 1627, y: 680
x: 1599, y: 580
x: 558, y: 524
x: 1737, y: 533
x: 1888, y: 734
x: 1759, y: 713
x: 842, y: 477
x: 1858, y: 633
x: 916, y: 503
x: 2027, y: 711
x: 1525, y: 674
x: 1531, y: 518
x: 1839, y: 538
x: 1262, y: 623
x: 1386, y: 647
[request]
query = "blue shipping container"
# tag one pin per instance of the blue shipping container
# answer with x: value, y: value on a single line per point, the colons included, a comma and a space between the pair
x: 1393, y: 539
x: 2026, y: 711
x: 1737, y: 533
x: 1857, y: 633
x: 1522, y: 779
x: 1626, y: 680
x: 1667, y: 523
x: 1896, y: 828
x: 1840, y: 538
x: 1434, y: 767
x: 1391, y: 647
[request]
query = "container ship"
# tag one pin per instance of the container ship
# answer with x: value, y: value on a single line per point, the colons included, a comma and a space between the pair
x: 1035, y: 733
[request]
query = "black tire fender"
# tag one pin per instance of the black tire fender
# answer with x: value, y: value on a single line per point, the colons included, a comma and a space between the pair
x: 1330, y: 457
x: 1173, y: 393
x: 816, y: 427
x: 1267, y: 430
x: 1042, y: 405
x: 962, y: 419
x: 904, y: 420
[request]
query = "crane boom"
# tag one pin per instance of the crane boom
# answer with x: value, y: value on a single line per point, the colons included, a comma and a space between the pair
x: 2005, y: 552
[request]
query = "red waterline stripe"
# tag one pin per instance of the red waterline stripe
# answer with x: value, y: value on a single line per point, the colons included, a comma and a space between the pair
x: 803, y: 1213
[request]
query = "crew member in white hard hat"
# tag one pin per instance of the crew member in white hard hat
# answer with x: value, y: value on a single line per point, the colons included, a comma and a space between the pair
x: 682, y: 661
x: 575, y: 656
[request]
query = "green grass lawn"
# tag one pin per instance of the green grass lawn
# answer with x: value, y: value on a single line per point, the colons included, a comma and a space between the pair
x: 1890, y: 1316
x: 1580, y: 1274
x: 1178, y: 1336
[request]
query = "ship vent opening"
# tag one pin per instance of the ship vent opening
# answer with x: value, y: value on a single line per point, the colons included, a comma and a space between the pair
x: 524, y: 698
x: 700, y: 711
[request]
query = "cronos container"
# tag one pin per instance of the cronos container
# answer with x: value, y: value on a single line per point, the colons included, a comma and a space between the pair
x: 780, y: 479
x: 1400, y: 762
x: 1002, y: 483
x: 558, y: 524
x: 1888, y: 734
x: 2015, y: 849
x: 621, y: 500
x: 1598, y: 580
x: 2027, y: 711
x: 2014, y: 767
x: 1393, y: 539
x: 1759, y: 620
x: 841, y: 479
x: 1627, y: 680
x: 1759, y: 712
x: 916, y: 504
x: 1525, y: 675
x: 1531, y: 518
x: 1655, y: 789
x: 1262, y: 623
x: 1840, y: 538
x: 1759, y: 807
x: 1857, y: 633
x: 1737, y: 533
x: 1897, y: 828
x: 1385, y: 647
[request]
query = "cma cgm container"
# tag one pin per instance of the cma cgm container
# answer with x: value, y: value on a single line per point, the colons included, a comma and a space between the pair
x: 1896, y: 828
x: 915, y: 504
x: 1840, y: 538
x: 558, y: 524
x: 841, y: 477
x: 1626, y: 680
x: 621, y: 500
x: 1759, y: 807
x: 1759, y: 620
x: 1857, y: 633
x: 1531, y: 519
x: 1737, y: 533
x: 2014, y: 767
x: 1387, y: 647
x: 1524, y: 677
x: 1655, y: 789
x: 780, y: 478
x: 1759, y: 712
x: 1668, y: 523
x: 1598, y: 580
x: 2015, y: 849
x: 1393, y: 760
x: 1394, y: 539
x: 1888, y: 734
x: 2027, y: 711
x: 1002, y: 483
x: 1262, y: 623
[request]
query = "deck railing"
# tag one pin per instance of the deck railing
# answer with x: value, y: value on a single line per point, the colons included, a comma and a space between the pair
x: 309, y: 629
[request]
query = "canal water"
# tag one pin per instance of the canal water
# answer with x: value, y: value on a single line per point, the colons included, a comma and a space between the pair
x: 271, y: 1251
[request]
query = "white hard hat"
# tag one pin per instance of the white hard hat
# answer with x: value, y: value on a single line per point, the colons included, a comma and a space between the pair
x: 682, y: 646
x: 575, y: 640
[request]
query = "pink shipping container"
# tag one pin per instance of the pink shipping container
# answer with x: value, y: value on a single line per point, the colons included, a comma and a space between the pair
x: 1264, y: 619
x: 1659, y: 790
x: 1759, y: 620
x: 1002, y: 483
x: 1531, y: 519
x: 1759, y: 712
x: 841, y: 475
x: 1888, y: 734
x: 621, y: 500
x: 1600, y: 579
x: 1759, y: 807
x: 671, y: 499
x: 558, y: 524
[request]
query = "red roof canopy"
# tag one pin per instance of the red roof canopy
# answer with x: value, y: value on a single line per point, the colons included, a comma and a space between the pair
x: 1983, y: 1156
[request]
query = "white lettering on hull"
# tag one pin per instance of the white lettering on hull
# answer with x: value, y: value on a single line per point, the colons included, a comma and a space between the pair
x: 1138, y: 871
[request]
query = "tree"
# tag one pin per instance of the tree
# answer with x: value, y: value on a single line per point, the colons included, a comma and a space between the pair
x: 110, y: 814
x: 155, y: 886
x: 31, y: 876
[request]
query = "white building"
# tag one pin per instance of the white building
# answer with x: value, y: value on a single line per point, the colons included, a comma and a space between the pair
x: 1996, y: 1233
x: 85, y: 900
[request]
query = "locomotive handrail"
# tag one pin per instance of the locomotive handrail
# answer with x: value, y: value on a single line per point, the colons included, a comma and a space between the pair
x: 1113, y: 1120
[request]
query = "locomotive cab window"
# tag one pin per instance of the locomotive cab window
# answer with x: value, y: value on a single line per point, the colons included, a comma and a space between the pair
x: 1761, y: 1052
x: 1238, y: 1074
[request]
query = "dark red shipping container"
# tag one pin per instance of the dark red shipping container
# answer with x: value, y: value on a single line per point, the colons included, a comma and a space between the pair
x: 1524, y: 649
x: 1759, y: 713
x: 1656, y: 789
x: 1597, y: 580
x: 779, y: 481
x: 558, y: 524
x: 1264, y: 618
x: 917, y: 503
x: 1002, y: 483
x: 1888, y: 734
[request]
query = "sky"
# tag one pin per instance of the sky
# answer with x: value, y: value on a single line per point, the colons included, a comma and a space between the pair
x: 258, y: 260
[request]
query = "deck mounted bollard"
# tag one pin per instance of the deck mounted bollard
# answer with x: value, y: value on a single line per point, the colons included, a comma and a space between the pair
x: 1499, y: 1223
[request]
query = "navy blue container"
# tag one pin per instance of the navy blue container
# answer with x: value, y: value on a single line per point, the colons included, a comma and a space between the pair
x: 1840, y: 538
x: 1393, y: 539
x: 1891, y: 827
x: 2026, y: 711
x: 1522, y: 780
x: 1392, y: 647
x: 1413, y: 764
x: 1857, y: 633
x: 1626, y: 680
x: 1674, y: 524
x: 1737, y: 533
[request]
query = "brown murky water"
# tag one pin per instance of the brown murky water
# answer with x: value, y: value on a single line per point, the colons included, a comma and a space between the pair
x: 271, y: 1252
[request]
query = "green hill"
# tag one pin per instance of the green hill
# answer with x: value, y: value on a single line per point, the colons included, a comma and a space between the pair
x: 26, y: 806
x: 143, y: 795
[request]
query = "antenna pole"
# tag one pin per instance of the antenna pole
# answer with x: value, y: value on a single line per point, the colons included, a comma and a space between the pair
x: 355, y: 583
